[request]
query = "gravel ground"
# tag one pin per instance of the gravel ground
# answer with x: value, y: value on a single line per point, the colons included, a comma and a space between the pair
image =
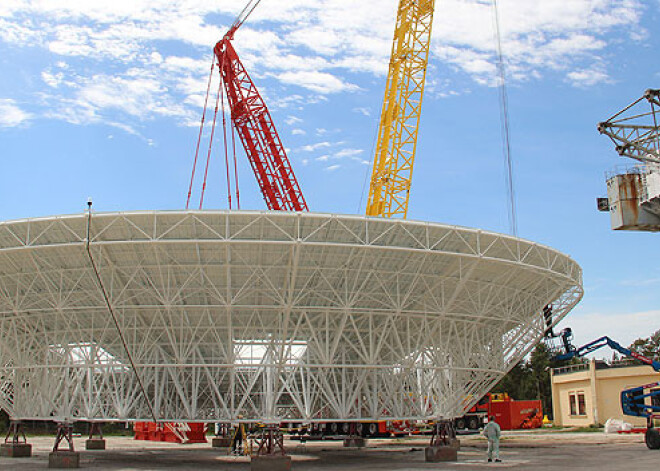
x: 538, y: 450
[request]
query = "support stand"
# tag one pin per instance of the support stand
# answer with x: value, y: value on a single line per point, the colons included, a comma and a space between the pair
x: 94, y: 443
x: 444, y: 444
x: 222, y: 437
x: 62, y: 457
x: 354, y: 439
x: 270, y: 455
x: 16, y: 445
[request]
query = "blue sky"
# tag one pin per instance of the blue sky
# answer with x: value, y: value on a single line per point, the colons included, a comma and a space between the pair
x: 103, y: 99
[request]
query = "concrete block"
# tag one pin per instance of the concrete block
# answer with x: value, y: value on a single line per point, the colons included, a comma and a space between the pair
x: 221, y: 442
x: 95, y: 444
x: 64, y: 459
x: 435, y: 454
x: 16, y: 450
x: 270, y: 463
x: 355, y: 442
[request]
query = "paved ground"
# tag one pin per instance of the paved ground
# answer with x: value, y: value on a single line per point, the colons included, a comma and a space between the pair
x: 520, y: 451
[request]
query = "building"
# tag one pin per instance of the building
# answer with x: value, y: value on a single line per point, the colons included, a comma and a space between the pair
x: 590, y: 393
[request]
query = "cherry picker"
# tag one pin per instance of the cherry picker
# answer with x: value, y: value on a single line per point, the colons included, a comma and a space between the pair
x: 640, y: 401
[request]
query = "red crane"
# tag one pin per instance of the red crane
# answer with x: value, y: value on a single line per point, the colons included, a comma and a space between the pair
x: 252, y: 121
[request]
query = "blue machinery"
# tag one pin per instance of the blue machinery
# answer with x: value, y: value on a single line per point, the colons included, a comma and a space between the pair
x: 640, y: 401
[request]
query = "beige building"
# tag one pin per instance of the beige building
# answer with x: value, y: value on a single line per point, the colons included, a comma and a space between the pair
x: 588, y: 394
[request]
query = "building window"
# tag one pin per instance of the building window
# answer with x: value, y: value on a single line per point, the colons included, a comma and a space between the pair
x: 582, y: 405
x: 578, y: 403
x: 573, y: 401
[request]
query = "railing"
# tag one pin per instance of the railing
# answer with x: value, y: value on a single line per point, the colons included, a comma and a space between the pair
x: 600, y: 365
x: 625, y: 169
x: 570, y: 369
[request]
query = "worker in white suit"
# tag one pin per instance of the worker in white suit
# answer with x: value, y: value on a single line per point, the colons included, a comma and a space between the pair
x: 492, y: 433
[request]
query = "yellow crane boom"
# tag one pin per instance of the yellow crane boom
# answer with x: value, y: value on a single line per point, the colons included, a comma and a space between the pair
x: 399, y: 121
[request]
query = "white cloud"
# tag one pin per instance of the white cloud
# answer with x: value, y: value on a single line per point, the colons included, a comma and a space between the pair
x: 291, y: 120
x: 11, y: 115
x: 311, y: 45
x: 363, y: 111
x: 332, y: 168
x: 313, y: 147
x: 52, y: 79
x: 348, y: 153
x: 298, y: 132
x: 323, y: 158
x: 536, y: 36
x: 655, y: 282
x: 587, y: 77
x: 320, y: 82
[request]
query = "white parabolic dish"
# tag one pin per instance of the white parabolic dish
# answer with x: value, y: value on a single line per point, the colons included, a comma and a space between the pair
x: 208, y: 315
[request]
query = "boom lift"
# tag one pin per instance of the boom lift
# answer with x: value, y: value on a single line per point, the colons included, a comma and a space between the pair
x: 638, y: 401
x: 399, y: 121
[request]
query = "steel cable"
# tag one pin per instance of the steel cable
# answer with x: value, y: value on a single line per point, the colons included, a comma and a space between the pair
x: 504, y: 116
x: 114, y: 317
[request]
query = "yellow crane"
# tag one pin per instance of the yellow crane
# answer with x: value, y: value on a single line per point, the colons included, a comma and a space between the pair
x: 399, y: 121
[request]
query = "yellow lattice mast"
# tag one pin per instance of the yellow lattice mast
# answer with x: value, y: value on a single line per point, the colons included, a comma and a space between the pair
x: 399, y: 120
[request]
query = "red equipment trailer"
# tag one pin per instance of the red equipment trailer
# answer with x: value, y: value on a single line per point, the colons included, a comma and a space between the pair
x: 514, y: 415
x: 173, y: 432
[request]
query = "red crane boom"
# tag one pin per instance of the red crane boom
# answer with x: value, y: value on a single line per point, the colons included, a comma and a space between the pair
x: 255, y: 127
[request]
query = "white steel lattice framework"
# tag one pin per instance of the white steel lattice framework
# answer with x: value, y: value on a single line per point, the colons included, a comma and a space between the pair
x: 268, y: 315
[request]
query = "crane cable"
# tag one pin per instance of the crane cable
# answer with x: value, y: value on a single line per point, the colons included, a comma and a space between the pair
x: 504, y: 118
x: 208, y: 155
x: 201, y: 130
x: 238, y: 22
x: 233, y: 145
x: 243, y: 16
x: 224, y: 133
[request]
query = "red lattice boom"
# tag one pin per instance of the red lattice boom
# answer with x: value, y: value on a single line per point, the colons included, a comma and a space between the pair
x: 255, y: 127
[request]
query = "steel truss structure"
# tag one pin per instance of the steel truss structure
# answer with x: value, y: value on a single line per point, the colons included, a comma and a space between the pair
x: 267, y: 315
x: 635, y: 130
x: 256, y: 129
x: 391, y: 176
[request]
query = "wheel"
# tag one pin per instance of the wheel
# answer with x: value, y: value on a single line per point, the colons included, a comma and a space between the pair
x: 359, y: 428
x: 652, y: 438
x: 373, y: 429
x: 473, y: 423
x: 460, y: 423
x: 345, y: 428
x: 334, y: 428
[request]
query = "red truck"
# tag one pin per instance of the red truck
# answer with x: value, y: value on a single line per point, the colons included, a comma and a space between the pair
x: 509, y: 413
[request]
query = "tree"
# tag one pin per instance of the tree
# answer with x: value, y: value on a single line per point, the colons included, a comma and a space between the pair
x: 649, y: 347
x: 530, y: 379
x: 518, y: 382
x: 541, y: 362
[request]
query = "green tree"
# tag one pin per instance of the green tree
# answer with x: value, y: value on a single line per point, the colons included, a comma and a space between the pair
x: 649, y: 347
x: 530, y: 379
x: 516, y: 382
